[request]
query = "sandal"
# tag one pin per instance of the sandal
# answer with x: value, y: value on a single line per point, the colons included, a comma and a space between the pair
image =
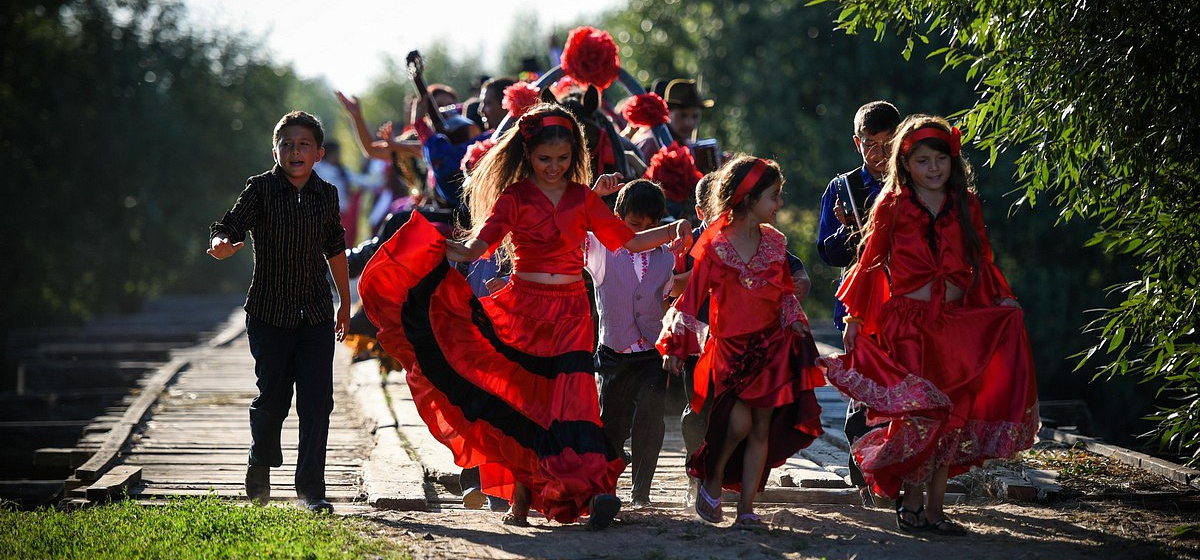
x: 513, y: 520
x: 708, y: 507
x: 749, y: 522
x: 604, y: 509
x: 908, y: 526
x: 947, y: 527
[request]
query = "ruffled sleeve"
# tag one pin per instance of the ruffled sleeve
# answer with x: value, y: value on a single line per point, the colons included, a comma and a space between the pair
x: 990, y: 287
x: 865, y: 288
x: 676, y: 338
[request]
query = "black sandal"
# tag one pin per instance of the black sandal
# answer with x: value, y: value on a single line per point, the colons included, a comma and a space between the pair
x: 947, y: 527
x: 908, y: 526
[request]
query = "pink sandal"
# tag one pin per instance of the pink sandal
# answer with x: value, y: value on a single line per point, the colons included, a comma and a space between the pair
x: 708, y: 507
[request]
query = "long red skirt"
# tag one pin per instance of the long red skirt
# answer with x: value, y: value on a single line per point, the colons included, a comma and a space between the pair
x: 775, y: 369
x: 504, y: 381
x: 956, y: 385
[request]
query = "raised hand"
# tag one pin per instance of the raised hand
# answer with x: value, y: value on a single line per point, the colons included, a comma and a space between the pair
x: 350, y: 104
x: 608, y: 183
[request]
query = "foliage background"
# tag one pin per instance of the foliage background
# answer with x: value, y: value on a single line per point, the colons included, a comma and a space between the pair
x: 124, y: 133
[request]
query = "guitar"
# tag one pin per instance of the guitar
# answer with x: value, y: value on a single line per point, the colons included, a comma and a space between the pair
x: 458, y: 130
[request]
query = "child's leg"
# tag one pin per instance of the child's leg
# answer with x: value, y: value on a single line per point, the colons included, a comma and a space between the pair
x: 936, y: 499
x: 755, y: 457
x: 648, y: 426
x: 740, y: 423
x: 618, y: 385
x: 313, y: 364
x: 272, y: 348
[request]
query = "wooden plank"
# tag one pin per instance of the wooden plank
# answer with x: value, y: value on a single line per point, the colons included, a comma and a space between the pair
x: 114, y: 482
x: 119, y: 435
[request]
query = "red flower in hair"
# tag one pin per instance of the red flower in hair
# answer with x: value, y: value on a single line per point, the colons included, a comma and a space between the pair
x: 475, y: 152
x: 519, y: 97
x: 565, y: 86
x: 646, y: 109
x: 673, y: 168
x: 591, y: 56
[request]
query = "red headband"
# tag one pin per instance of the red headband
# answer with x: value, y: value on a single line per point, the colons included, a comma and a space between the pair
x: 531, y: 126
x: 747, y: 183
x: 952, y: 139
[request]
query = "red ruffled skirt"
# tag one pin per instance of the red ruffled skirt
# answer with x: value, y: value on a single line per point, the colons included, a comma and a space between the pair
x: 955, y: 385
x: 775, y: 368
x: 506, y: 381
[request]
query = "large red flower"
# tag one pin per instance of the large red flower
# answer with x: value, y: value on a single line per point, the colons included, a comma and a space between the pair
x: 646, y: 109
x: 673, y: 168
x: 475, y: 152
x: 519, y: 97
x: 591, y: 56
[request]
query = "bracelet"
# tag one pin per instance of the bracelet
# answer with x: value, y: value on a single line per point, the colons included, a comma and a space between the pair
x: 854, y: 320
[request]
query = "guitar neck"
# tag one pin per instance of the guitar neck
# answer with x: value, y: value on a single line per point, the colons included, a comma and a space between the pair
x: 431, y: 107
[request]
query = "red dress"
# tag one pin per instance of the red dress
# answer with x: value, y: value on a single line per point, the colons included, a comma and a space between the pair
x: 751, y: 354
x: 505, y: 381
x: 954, y: 379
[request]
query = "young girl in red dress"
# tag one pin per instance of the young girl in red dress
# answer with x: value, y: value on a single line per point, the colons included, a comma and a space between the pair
x: 506, y: 381
x: 935, y: 341
x: 759, y: 356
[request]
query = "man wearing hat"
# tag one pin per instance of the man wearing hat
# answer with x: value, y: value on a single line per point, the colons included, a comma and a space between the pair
x: 684, y: 102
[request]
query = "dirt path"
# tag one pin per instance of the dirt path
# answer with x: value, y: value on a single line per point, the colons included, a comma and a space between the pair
x: 1074, y: 530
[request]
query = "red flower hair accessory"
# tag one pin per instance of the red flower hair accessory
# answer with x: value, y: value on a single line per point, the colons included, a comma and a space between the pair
x: 591, y: 56
x: 565, y: 86
x: 646, y: 110
x: 475, y: 152
x: 519, y: 97
x: 674, y: 168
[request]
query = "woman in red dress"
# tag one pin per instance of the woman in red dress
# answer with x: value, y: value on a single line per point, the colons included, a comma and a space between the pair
x: 759, y: 356
x: 935, y: 340
x: 506, y: 381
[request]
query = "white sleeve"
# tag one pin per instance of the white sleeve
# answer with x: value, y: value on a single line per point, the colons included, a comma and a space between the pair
x: 594, y: 257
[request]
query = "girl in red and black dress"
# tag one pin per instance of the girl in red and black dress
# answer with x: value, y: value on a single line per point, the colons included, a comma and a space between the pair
x: 935, y: 341
x: 759, y: 356
x: 506, y: 381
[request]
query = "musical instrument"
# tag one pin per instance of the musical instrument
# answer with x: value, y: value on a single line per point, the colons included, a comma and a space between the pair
x: 458, y: 130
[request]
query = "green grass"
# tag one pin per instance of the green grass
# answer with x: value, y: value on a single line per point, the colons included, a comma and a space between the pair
x: 205, y: 527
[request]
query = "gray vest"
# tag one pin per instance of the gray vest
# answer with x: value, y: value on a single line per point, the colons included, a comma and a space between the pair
x: 628, y: 308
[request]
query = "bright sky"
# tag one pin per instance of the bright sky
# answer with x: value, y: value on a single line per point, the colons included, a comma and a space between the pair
x: 346, y: 40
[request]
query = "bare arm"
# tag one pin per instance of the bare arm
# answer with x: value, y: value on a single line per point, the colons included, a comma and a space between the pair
x: 459, y: 251
x: 341, y: 280
x: 366, y: 141
x: 678, y: 233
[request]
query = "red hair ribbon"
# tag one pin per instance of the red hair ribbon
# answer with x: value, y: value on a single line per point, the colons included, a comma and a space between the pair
x: 739, y: 194
x: 532, y: 126
x: 952, y: 139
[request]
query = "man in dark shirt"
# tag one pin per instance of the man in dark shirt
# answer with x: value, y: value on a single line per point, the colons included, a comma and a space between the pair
x: 295, y: 221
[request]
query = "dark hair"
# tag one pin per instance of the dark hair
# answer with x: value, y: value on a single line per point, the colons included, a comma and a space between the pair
x: 703, y: 192
x: 498, y: 85
x: 730, y: 175
x: 436, y: 89
x: 642, y: 197
x: 875, y: 117
x: 300, y: 118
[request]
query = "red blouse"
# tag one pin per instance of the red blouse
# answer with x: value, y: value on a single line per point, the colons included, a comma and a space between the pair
x: 910, y: 247
x: 549, y: 238
x: 745, y: 297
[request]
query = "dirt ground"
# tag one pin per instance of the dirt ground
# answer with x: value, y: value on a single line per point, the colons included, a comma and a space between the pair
x: 1105, y: 510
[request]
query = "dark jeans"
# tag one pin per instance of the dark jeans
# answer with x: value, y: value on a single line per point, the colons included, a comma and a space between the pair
x: 302, y: 357
x: 693, y: 424
x: 633, y: 389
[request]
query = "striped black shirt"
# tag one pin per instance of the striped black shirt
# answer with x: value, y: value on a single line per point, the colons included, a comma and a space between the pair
x: 294, y: 234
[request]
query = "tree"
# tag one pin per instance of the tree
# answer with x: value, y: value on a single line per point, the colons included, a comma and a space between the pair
x: 1098, y: 99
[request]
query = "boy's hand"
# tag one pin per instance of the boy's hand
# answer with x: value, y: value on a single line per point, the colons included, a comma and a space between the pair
x: 493, y: 285
x: 222, y: 249
x: 673, y: 364
x: 342, y: 326
x: 683, y: 238
x: 608, y: 183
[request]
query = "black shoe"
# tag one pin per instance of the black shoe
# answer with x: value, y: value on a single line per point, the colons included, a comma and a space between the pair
x: 604, y: 509
x: 318, y: 506
x: 258, y: 484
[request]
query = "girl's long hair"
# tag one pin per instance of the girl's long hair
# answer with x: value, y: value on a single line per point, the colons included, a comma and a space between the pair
x: 960, y: 182
x: 508, y: 161
x: 725, y: 183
